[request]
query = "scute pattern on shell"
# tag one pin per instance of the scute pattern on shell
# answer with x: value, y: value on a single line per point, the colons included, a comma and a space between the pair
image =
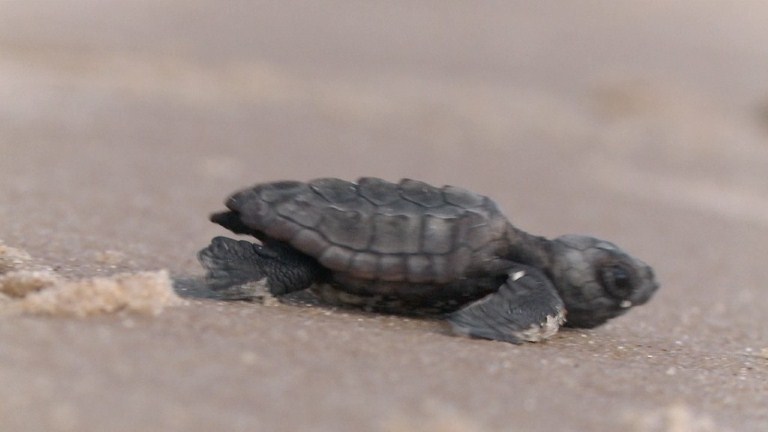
x: 374, y: 229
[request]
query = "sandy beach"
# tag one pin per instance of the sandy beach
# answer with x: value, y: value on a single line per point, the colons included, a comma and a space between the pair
x: 124, y: 124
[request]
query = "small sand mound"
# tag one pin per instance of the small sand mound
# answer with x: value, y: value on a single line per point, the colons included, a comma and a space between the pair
x: 29, y: 288
x: 144, y: 292
x: 20, y: 283
x: 12, y: 258
x: 763, y: 353
x: 677, y: 417
x: 433, y: 417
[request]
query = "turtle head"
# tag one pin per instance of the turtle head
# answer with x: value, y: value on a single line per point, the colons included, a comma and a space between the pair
x: 598, y: 281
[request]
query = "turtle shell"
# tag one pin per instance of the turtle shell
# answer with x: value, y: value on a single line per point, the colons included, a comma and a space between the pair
x: 374, y: 229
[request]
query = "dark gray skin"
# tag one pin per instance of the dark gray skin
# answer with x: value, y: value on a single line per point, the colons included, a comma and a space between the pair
x: 416, y: 249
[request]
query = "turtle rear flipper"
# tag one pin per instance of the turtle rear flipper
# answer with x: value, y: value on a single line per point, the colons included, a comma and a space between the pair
x: 525, y: 308
x: 232, y: 264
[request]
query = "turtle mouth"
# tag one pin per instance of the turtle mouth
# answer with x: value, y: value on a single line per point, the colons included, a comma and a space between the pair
x: 641, y: 296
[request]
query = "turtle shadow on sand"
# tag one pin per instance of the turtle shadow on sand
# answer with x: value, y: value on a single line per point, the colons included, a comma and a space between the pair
x: 412, y: 248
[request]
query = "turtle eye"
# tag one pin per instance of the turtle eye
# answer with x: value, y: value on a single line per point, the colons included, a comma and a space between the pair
x: 617, y: 281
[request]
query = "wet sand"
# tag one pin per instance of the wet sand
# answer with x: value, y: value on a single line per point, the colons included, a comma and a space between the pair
x: 123, y: 124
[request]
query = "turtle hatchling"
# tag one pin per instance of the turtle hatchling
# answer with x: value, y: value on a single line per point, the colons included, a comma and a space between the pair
x: 412, y: 248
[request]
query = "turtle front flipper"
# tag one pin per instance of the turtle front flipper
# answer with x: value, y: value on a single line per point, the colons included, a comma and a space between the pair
x: 525, y: 308
x: 234, y: 265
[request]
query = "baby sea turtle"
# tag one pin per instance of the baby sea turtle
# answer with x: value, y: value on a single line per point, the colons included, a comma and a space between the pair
x: 414, y: 248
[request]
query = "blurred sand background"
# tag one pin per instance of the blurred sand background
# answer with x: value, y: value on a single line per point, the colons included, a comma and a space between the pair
x: 123, y: 124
